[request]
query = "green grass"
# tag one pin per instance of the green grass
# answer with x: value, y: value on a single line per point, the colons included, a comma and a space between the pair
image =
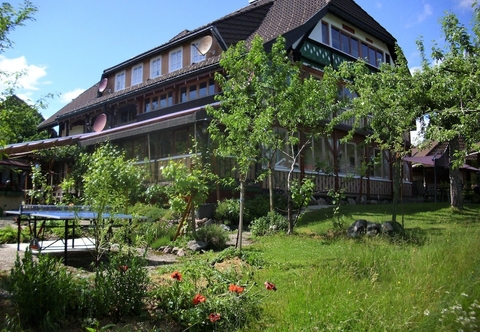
x: 333, y: 283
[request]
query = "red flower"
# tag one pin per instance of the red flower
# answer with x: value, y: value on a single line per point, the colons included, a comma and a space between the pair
x: 123, y: 268
x: 235, y: 289
x: 270, y: 286
x: 214, y: 317
x: 198, y: 299
x: 177, y: 275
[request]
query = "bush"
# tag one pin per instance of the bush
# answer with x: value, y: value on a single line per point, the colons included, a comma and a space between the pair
x: 120, y: 286
x: 202, y: 298
x: 258, y: 206
x: 44, y: 293
x: 228, y: 212
x: 9, y: 234
x: 215, y: 236
x: 269, y: 224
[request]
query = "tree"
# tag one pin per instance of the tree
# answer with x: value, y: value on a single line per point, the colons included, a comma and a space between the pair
x: 238, y: 123
x: 265, y: 95
x: 19, y: 121
x: 10, y: 18
x: 451, y: 94
x: 390, y: 99
x: 108, y: 185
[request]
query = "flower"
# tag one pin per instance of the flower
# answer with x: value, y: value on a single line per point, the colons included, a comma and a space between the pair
x: 214, y: 317
x: 270, y: 286
x: 176, y: 275
x: 198, y: 299
x: 123, y: 268
x: 235, y: 289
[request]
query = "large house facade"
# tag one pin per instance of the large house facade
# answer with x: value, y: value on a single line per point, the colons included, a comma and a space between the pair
x: 153, y: 105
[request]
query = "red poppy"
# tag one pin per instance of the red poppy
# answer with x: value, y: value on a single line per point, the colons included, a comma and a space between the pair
x: 177, y: 275
x: 214, y: 317
x: 235, y: 289
x: 270, y: 285
x: 123, y: 268
x: 198, y: 299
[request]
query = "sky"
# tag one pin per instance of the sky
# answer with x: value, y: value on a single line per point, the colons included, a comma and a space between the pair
x: 65, y: 49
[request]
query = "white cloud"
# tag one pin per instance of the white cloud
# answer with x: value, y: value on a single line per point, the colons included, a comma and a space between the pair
x: 465, y: 4
x: 30, y: 80
x: 427, y: 12
x: 378, y: 4
x: 70, y: 95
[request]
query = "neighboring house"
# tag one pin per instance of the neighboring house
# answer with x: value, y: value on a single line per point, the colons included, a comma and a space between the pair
x: 153, y: 104
x: 430, y: 172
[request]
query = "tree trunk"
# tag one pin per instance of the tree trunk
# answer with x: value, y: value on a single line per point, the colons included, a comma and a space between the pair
x: 242, y: 207
x: 456, y: 200
x: 270, y: 185
x: 396, y: 186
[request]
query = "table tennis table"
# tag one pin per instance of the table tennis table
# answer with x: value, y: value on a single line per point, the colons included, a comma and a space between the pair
x: 36, y: 215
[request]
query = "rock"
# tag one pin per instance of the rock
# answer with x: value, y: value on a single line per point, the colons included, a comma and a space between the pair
x: 373, y: 229
x: 392, y: 228
x: 321, y: 201
x: 358, y: 228
x: 167, y: 250
x: 181, y: 253
x: 195, y: 245
x: 225, y: 227
x: 351, y: 201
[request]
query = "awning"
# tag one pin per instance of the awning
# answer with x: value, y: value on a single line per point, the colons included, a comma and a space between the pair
x: 18, y: 148
x: 138, y: 128
x: 15, y: 163
x: 442, y: 162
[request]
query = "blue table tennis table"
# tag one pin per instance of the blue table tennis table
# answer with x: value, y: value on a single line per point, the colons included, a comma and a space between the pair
x: 40, y: 214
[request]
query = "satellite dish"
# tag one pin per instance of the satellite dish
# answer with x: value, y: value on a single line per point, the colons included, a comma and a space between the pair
x: 100, y: 122
x: 103, y: 85
x: 204, y: 45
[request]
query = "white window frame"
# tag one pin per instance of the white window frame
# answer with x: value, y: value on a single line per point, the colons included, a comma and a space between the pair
x: 120, y: 80
x: 137, y: 74
x: 156, y: 67
x: 175, y: 60
x: 195, y: 55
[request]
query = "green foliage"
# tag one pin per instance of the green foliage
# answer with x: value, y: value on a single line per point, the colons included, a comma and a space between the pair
x: 215, y: 236
x: 41, y: 192
x: 200, y: 290
x: 44, y: 293
x: 8, y: 234
x: 269, y: 224
x: 185, y: 182
x: 258, y: 206
x: 251, y: 257
x: 337, y: 198
x: 228, y: 210
x: 120, y: 286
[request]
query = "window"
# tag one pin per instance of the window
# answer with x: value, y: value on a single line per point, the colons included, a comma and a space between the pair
x: 166, y: 99
x: 137, y: 74
x: 198, y: 90
x: 347, y: 158
x: 159, y: 101
x: 335, y: 38
x: 175, y: 60
x: 380, y: 164
x: 195, y: 54
x: 156, y: 67
x: 318, y: 157
x: 325, y: 34
x: 120, y: 81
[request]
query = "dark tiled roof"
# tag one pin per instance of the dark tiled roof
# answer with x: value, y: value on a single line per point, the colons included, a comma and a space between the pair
x: 267, y: 18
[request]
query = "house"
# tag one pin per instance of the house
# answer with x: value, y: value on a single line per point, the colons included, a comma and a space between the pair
x: 153, y: 105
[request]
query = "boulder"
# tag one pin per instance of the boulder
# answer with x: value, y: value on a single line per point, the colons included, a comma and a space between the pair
x: 195, y: 245
x: 358, y: 228
x: 392, y: 228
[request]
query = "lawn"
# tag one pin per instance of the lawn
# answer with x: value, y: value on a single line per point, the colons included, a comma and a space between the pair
x: 426, y: 281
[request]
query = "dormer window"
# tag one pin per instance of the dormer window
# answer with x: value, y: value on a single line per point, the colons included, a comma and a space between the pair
x: 137, y: 74
x: 176, y: 59
x: 120, y: 81
x: 195, y: 54
x: 156, y: 67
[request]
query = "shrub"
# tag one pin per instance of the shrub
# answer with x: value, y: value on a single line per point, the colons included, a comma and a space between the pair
x: 228, y: 212
x: 205, y: 299
x: 258, y: 206
x: 9, y: 234
x: 44, y: 293
x: 215, y: 236
x: 271, y: 223
x: 120, y: 286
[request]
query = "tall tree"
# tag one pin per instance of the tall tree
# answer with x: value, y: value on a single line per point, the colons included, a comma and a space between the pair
x: 10, y: 18
x: 451, y: 93
x: 389, y: 98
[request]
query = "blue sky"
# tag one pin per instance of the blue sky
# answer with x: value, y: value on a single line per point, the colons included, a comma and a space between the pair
x: 66, y: 48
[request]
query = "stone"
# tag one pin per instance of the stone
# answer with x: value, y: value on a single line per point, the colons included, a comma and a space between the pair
x: 358, y: 228
x: 373, y: 229
x: 351, y: 201
x: 392, y: 228
x: 321, y: 201
x: 181, y: 253
x: 195, y: 245
x: 167, y: 250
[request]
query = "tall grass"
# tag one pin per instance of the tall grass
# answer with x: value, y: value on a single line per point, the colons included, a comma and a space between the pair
x: 374, y: 284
